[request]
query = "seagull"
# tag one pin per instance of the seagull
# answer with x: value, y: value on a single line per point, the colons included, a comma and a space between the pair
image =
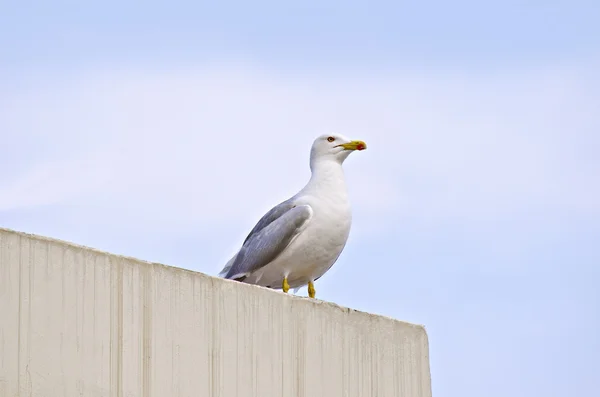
x: 299, y: 240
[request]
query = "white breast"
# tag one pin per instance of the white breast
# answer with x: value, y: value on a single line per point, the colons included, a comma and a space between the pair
x: 318, y: 246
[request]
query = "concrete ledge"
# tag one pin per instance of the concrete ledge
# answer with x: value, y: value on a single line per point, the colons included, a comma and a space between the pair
x: 75, y: 321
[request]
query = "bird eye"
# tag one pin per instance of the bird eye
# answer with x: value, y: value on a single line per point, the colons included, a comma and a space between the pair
x: 330, y: 139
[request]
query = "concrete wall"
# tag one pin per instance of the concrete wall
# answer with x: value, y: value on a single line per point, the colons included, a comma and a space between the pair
x: 78, y: 322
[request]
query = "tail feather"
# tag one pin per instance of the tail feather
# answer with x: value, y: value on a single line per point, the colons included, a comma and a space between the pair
x: 227, y: 267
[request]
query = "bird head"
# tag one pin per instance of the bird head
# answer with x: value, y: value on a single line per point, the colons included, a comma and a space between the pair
x: 334, y: 147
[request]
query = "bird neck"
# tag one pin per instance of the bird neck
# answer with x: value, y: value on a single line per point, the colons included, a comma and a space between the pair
x: 327, y: 175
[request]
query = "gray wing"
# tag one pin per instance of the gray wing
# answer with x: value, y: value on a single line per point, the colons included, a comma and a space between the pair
x: 273, y: 214
x: 271, y: 235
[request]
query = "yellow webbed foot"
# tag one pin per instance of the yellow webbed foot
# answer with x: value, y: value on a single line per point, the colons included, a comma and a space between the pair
x: 311, y: 289
x: 285, y: 286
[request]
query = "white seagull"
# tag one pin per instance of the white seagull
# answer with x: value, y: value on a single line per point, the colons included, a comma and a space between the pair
x: 299, y: 240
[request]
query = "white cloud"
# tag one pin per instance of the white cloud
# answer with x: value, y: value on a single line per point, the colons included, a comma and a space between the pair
x: 215, y: 146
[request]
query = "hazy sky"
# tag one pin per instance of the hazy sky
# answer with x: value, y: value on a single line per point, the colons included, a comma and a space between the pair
x: 164, y: 131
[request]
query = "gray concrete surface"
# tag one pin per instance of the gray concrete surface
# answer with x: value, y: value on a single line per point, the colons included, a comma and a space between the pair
x: 79, y: 322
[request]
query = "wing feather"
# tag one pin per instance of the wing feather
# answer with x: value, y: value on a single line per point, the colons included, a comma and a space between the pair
x: 272, y: 234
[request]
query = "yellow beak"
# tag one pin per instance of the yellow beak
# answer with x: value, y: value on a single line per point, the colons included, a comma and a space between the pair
x: 354, y: 145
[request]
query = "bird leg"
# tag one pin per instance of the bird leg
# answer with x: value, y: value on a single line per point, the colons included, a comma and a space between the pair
x: 311, y: 289
x: 285, y: 286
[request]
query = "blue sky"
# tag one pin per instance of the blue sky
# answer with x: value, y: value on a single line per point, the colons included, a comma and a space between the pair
x: 139, y: 128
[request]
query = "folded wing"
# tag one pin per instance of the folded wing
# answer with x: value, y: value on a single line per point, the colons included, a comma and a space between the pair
x: 268, y: 239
